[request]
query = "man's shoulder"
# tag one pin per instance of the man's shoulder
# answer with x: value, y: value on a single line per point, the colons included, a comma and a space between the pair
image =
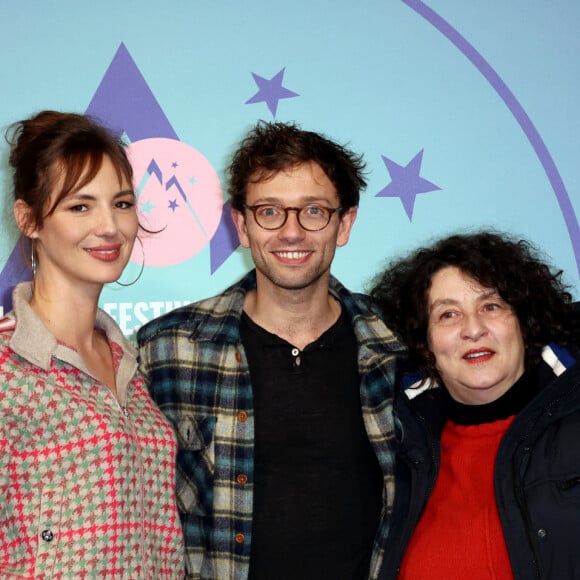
x: 366, y: 319
x: 356, y: 300
x: 210, y: 314
x: 178, y: 318
x: 356, y: 304
x: 184, y: 319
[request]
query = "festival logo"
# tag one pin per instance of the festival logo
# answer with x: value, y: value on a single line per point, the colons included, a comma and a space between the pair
x: 179, y: 198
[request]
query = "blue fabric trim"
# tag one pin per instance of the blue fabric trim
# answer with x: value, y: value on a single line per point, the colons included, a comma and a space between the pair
x: 563, y: 355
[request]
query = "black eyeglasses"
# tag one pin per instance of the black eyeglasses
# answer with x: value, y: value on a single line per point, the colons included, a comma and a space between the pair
x: 310, y: 217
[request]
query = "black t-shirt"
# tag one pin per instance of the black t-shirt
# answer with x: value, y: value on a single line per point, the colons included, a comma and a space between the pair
x: 317, y: 482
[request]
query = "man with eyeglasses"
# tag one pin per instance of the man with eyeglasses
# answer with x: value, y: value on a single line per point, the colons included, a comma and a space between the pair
x: 280, y: 388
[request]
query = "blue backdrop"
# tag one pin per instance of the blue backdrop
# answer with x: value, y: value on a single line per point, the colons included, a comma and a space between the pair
x: 467, y: 113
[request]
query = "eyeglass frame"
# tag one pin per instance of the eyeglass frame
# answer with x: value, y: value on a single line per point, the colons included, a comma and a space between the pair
x: 331, y: 211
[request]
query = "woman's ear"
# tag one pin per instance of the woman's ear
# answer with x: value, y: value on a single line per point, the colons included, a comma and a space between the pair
x: 24, y: 219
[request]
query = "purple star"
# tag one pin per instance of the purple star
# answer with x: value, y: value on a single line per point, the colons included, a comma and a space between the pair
x: 173, y: 204
x: 271, y: 91
x: 406, y: 182
x: 174, y: 164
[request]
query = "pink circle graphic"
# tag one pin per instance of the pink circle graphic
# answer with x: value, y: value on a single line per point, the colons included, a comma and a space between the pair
x: 178, y: 195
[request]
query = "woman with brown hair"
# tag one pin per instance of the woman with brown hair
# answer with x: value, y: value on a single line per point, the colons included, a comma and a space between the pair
x: 86, y: 458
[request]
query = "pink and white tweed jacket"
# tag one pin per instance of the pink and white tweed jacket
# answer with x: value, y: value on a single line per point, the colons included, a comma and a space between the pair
x: 86, y: 483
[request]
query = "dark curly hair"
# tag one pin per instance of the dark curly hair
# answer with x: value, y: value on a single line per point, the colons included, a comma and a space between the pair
x: 272, y: 147
x: 514, y: 268
x: 53, y: 146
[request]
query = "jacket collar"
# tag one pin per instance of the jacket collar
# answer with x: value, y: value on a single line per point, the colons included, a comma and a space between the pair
x: 558, y: 358
x: 221, y: 321
x: 33, y: 341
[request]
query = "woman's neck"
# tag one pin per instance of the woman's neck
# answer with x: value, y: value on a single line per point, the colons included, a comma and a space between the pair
x: 68, y: 314
x: 510, y: 403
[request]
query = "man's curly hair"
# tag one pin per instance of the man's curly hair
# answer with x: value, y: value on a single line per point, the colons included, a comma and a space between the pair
x: 540, y: 300
x: 273, y: 147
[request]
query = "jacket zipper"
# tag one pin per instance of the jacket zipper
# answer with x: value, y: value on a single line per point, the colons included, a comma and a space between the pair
x: 520, y: 496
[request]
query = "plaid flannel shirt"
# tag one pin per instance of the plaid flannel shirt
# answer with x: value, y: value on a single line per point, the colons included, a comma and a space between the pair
x: 196, y: 368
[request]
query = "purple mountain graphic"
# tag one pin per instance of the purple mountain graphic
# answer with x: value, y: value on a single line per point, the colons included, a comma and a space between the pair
x: 124, y: 102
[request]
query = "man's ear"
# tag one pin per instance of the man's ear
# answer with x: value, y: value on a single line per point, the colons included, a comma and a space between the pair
x: 239, y: 220
x: 25, y: 219
x: 346, y: 223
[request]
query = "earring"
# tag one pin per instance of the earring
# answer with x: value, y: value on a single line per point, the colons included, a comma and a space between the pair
x: 142, y: 266
x: 32, y: 258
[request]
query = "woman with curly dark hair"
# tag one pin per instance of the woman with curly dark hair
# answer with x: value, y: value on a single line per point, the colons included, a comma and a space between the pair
x: 488, y: 464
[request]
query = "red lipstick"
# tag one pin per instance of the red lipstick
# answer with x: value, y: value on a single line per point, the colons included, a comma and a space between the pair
x: 108, y: 253
x: 478, y: 355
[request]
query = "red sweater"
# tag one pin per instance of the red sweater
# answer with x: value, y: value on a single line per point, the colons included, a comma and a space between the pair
x: 459, y: 535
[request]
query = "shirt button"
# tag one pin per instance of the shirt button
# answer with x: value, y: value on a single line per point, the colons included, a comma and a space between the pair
x: 295, y: 352
x: 240, y: 538
x: 242, y: 479
x: 242, y: 416
x: 47, y: 535
x: 542, y: 533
